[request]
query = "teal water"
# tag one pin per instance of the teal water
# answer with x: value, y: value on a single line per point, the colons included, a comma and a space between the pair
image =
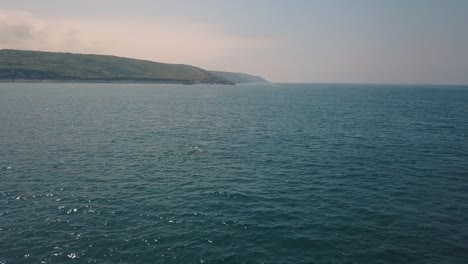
x: 301, y: 173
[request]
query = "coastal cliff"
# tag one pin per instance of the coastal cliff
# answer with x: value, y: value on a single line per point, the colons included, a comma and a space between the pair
x: 24, y: 66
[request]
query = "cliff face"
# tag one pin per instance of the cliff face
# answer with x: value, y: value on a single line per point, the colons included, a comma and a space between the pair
x: 239, y: 77
x: 54, y: 66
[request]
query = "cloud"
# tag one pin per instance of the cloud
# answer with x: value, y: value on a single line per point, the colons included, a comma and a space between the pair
x: 15, y: 28
x: 162, y: 39
x: 21, y: 30
x: 15, y: 33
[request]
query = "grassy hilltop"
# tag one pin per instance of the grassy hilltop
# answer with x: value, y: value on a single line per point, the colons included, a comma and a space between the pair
x: 19, y: 65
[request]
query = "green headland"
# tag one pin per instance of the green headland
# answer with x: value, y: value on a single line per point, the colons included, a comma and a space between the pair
x: 29, y: 66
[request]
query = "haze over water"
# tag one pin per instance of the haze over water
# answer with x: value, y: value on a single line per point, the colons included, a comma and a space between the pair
x: 303, y: 173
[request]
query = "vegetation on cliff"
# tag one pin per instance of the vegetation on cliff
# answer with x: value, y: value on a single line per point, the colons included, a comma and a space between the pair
x: 19, y: 65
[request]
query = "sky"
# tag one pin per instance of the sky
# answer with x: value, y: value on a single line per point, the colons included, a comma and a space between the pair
x: 337, y: 41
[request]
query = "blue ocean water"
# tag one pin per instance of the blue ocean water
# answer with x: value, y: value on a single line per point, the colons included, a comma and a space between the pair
x: 303, y: 173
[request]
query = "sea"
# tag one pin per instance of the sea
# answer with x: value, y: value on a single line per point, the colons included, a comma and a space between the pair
x: 259, y: 173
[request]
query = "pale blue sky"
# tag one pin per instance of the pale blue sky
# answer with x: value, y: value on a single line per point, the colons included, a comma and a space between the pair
x: 376, y: 41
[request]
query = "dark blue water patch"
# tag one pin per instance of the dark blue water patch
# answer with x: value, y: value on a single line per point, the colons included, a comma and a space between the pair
x: 214, y: 174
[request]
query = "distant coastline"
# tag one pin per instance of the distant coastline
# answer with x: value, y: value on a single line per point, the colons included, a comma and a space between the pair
x: 55, y: 67
x: 104, y: 81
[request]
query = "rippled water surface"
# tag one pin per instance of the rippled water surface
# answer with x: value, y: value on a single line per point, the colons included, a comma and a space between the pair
x: 128, y: 173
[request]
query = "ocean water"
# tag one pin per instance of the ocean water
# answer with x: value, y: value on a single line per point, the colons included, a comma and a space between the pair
x: 303, y: 173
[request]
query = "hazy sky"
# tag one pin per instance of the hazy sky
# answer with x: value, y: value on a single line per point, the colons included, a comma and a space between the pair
x: 377, y: 41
